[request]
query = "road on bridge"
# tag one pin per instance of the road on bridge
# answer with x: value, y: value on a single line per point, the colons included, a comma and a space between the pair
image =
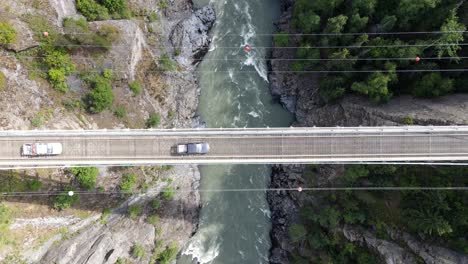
x: 233, y: 146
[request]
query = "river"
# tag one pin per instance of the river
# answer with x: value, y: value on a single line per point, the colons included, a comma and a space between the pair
x: 234, y: 226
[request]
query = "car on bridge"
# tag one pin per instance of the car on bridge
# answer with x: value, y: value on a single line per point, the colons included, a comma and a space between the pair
x: 191, y: 148
x: 41, y: 149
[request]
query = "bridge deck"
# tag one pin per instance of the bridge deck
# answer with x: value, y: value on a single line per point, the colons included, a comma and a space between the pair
x: 297, y: 145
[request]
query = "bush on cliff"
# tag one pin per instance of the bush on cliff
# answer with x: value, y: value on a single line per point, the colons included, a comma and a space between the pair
x: 7, y: 33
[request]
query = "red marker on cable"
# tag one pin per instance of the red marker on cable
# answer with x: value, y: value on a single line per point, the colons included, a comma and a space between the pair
x: 247, y: 48
x: 417, y: 59
x: 299, y: 189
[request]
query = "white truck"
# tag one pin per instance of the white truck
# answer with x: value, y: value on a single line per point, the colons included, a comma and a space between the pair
x: 41, y: 149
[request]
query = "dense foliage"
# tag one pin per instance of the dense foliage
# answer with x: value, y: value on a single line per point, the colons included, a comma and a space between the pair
x: 59, y: 65
x: 86, y: 176
x: 388, y: 54
x: 103, y: 9
x: 168, y: 255
x: 101, y: 96
x: 7, y: 33
x: 439, y: 217
x: 135, y: 87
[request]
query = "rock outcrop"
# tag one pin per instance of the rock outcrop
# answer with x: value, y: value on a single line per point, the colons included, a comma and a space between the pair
x: 391, y: 252
x: 190, y: 36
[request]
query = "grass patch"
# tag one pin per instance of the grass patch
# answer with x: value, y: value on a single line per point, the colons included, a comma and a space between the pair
x: 135, y: 87
x: 120, y: 112
x: 128, y: 182
x: 153, y: 120
x: 166, y: 63
x: 168, y: 193
x: 7, y: 33
x: 138, y: 251
x: 153, y: 220
x: 281, y: 39
x: 2, y: 82
x: 134, y: 211
x: 105, y: 215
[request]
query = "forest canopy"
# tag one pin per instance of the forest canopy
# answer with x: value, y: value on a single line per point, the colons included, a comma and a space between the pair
x: 342, y: 29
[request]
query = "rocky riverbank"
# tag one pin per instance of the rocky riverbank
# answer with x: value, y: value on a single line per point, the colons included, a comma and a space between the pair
x: 174, y: 32
x: 299, y: 94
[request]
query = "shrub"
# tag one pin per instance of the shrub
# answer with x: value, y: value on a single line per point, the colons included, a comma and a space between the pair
x: 153, y: 220
x: 60, y: 65
x: 281, y: 39
x: 102, y: 96
x: 120, y: 112
x: 64, y: 201
x: 134, y: 211
x: 118, y: 8
x: 92, y: 10
x: 138, y: 251
x: 153, y: 17
x: 168, y: 255
x: 135, y: 87
x: 2, y: 81
x: 86, y: 176
x: 166, y: 63
x: 433, y: 85
x: 128, y: 182
x: 168, y: 193
x: 34, y: 185
x: 105, y: 214
x: 106, y: 35
x: 7, y: 33
x: 153, y: 120
x: 163, y: 4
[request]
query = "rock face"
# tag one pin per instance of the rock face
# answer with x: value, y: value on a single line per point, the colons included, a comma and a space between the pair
x: 391, y: 252
x: 282, y: 206
x: 190, y: 36
x: 429, y: 253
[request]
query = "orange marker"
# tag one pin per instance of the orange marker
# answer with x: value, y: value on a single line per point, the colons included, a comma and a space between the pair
x: 45, y: 34
x: 247, y: 48
x: 417, y: 59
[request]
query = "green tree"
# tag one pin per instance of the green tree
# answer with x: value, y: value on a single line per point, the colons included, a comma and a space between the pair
x: 307, y: 21
x: 357, y: 23
x: 433, y: 85
x: 86, y: 176
x: 411, y: 10
x: 92, y: 10
x: 376, y: 87
x: 453, y: 34
x: 336, y: 24
x: 115, y: 6
x: 101, y: 96
x: 332, y: 88
x: 364, y: 6
x: 427, y: 212
x: 7, y: 33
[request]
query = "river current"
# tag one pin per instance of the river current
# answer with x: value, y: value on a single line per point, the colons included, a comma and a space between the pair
x: 234, y: 226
